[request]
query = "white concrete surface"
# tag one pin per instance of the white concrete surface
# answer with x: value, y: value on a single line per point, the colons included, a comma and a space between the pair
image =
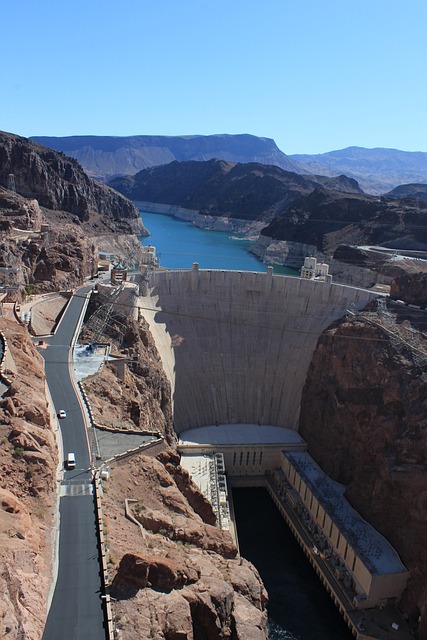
x: 376, y: 550
x: 240, y: 434
x: 236, y: 346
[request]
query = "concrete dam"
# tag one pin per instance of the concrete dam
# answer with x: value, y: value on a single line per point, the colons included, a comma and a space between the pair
x: 236, y: 346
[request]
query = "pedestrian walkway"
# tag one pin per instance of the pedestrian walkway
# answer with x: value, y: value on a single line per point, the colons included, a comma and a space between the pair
x: 76, y: 488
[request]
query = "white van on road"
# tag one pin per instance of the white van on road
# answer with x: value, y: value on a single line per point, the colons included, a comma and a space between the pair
x: 70, y: 463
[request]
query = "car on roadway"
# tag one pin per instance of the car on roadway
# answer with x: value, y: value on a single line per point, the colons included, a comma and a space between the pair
x: 62, y: 414
x: 70, y: 462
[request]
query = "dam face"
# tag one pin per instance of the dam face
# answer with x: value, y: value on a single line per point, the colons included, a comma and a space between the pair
x: 236, y: 346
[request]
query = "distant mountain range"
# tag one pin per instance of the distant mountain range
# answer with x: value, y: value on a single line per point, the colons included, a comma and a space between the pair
x: 376, y: 170
x: 106, y: 157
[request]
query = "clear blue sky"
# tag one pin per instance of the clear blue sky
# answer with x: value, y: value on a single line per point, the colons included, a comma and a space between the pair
x: 314, y: 75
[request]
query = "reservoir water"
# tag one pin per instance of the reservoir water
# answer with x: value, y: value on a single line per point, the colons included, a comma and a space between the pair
x: 179, y: 244
x: 299, y: 607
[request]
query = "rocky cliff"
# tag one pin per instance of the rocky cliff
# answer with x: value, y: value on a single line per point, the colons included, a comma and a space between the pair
x: 176, y: 577
x: 28, y: 461
x: 60, y: 184
x: 328, y: 219
x: 141, y: 402
x: 410, y: 287
x: 105, y: 157
x: 54, y: 218
x: 363, y: 416
x: 335, y: 227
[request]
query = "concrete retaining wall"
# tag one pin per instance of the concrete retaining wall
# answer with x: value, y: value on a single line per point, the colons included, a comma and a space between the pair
x: 6, y: 361
x: 236, y: 346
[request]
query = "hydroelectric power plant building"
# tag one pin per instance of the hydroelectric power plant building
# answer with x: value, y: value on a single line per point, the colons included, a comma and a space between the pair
x: 236, y: 347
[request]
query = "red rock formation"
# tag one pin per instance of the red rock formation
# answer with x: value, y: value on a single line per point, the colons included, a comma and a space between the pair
x: 58, y: 219
x: 163, y: 574
x: 363, y: 416
x: 28, y: 459
x: 142, y: 402
x: 181, y: 578
x: 196, y: 499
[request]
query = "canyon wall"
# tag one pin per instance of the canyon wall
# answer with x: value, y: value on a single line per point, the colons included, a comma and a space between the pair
x: 28, y: 461
x: 363, y: 417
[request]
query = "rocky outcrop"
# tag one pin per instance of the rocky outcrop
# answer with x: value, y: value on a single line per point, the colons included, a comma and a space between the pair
x: 195, y: 498
x: 58, y: 219
x: 411, y: 288
x: 60, y: 184
x: 163, y: 574
x: 28, y: 460
x: 176, y: 587
x: 142, y: 401
x: 337, y: 228
x: 363, y: 416
x: 59, y: 257
x: 329, y: 219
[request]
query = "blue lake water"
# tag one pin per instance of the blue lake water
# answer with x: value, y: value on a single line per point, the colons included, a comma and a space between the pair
x: 179, y: 244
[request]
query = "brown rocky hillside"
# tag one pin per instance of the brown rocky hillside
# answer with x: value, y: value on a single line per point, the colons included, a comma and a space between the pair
x: 59, y: 183
x: 55, y: 218
x: 329, y: 219
x: 363, y: 414
x: 28, y: 461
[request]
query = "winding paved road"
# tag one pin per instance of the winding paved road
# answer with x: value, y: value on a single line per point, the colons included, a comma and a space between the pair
x: 76, y: 612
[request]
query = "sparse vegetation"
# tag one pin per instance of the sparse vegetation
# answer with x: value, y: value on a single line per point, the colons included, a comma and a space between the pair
x: 29, y: 290
x: 18, y: 453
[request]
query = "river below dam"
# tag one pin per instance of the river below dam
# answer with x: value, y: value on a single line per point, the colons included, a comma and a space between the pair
x: 299, y: 607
